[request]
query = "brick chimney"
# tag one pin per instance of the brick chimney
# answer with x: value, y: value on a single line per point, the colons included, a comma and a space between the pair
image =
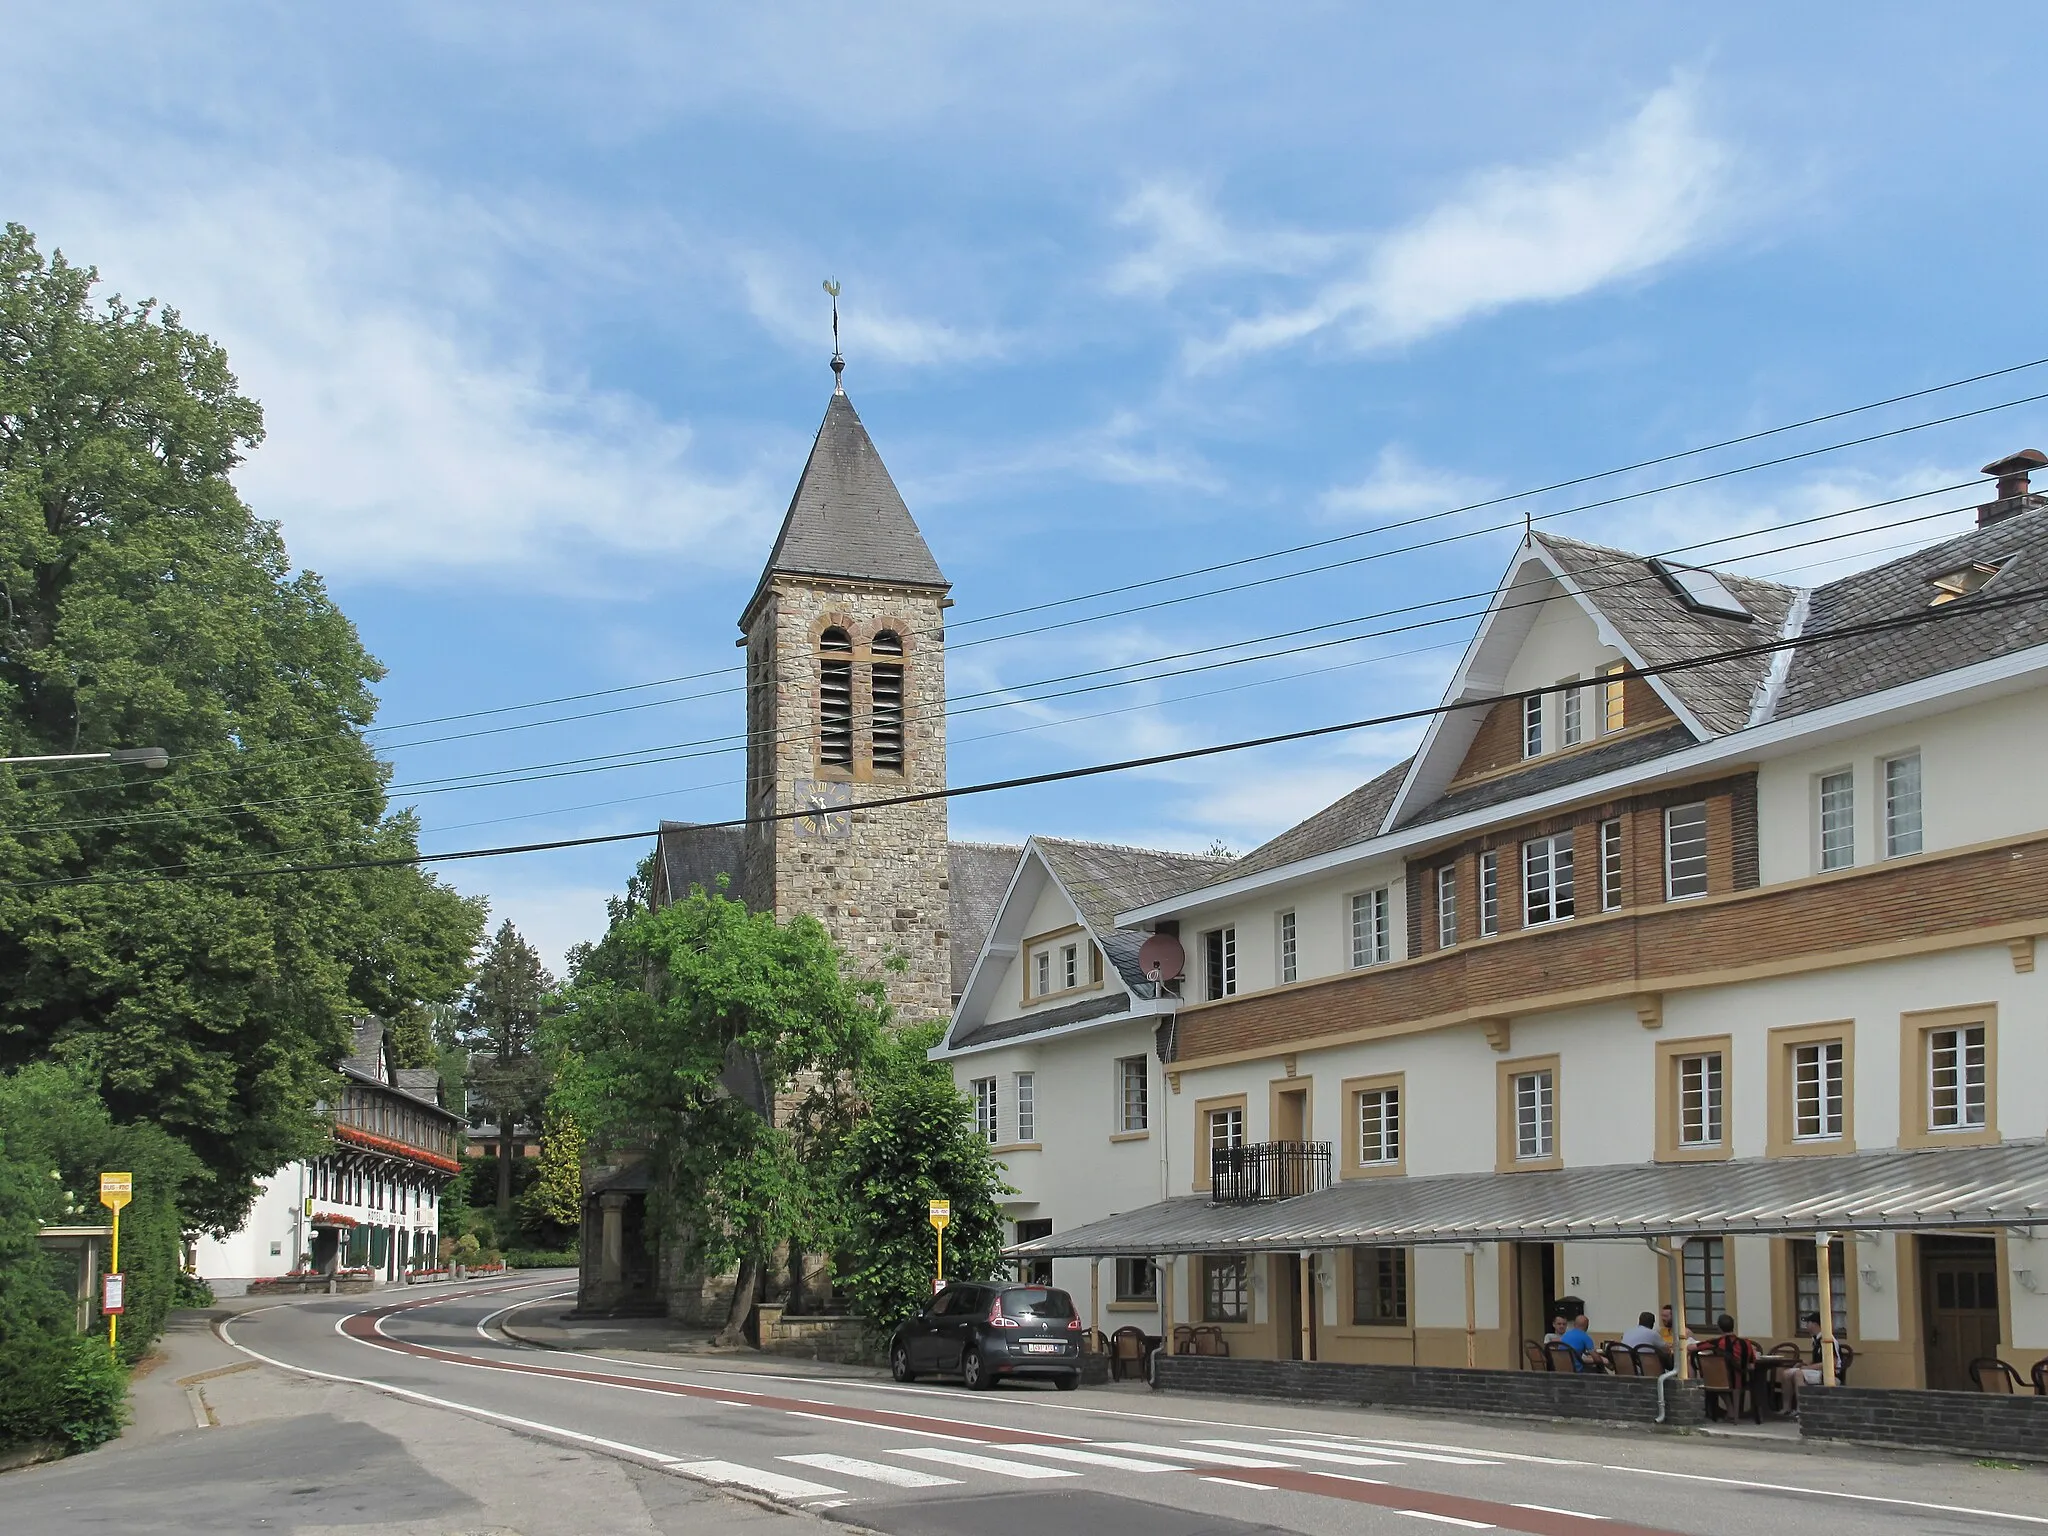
x: 2013, y: 495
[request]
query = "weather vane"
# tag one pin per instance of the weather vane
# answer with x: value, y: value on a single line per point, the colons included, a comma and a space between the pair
x: 838, y: 362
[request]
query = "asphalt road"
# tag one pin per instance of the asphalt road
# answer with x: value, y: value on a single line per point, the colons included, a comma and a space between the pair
x: 932, y: 1458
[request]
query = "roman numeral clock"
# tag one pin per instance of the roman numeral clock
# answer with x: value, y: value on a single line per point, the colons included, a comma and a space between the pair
x: 827, y: 809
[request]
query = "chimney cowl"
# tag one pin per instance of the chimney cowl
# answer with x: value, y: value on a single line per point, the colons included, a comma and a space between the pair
x: 2014, y: 496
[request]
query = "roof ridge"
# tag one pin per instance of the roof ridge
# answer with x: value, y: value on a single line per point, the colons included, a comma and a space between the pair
x: 1159, y: 853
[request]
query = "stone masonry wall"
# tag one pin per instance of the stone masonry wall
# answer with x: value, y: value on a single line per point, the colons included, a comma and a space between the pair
x: 1967, y: 1423
x: 1522, y: 1394
x: 876, y: 878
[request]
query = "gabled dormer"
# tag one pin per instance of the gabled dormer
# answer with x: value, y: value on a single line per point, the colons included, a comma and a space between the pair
x: 1570, y: 648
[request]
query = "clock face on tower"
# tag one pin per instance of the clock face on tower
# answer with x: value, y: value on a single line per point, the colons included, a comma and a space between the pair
x: 824, y: 804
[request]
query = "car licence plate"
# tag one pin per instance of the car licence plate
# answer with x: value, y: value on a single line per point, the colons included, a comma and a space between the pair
x: 1043, y: 1349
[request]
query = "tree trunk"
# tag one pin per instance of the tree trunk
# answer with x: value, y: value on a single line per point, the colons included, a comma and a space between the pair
x: 744, y: 1285
x: 797, y: 1299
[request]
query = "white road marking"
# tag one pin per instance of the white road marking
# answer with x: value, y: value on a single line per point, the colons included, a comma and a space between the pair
x: 873, y: 1471
x: 1092, y: 1458
x: 975, y: 1463
x: 1380, y: 1442
x: 774, y: 1484
x: 1404, y: 1454
x: 1181, y: 1453
x: 900, y: 1429
x: 1552, y: 1509
x: 1424, y: 1514
x: 1341, y: 1458
x: 1231, y: 1482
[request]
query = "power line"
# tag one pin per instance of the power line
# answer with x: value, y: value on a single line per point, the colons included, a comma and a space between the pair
x: 1976, y: 605
x: 1008, y: 697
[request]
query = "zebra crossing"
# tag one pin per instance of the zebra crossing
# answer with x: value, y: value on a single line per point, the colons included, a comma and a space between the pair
x: 920, y: 1467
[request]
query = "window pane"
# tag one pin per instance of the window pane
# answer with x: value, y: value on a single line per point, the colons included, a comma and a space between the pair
x: 1902, y: 806
x: 1134, y: 1086
x: 1447, y: 906
x: 1532, y: 725
x: 1706, y: 1281
x: 985, y: 1108
x: 1027, y: 1108
x: 1547, y: 879
x: 1806, y: 1284
x: 1685, y: 852
x: 1574, y: 716
x: 1289, y: 956
x: 1699, y: 1100
x: 1610, y: 865
x: 1956, y: 1079
x: 1535, y: 1125
x: 1379, y: 1285
x: 1371, y: 939
x: 1837, y: 820
x: 1817, y: 1091
x: 1379, y: 1125
x: 1489, y: 893
x: 1612, y: 706
x: 1224, y: 1290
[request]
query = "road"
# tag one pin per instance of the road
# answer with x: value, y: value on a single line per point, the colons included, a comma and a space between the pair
x: 932, y: 1458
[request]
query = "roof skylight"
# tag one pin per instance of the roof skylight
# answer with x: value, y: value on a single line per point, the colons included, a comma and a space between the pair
x: 1963, y: 581
x: 1701, y: 591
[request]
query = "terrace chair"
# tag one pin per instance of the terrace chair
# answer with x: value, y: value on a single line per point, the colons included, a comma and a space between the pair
x: 1650, y: 1360
x: 1994, y: 1375
x: 1561, y: 1357
x: 1209, y: 1341
x: 1621, y: 1360
x: 1535, y: 1359
x: 1844, y: 1358
x: 1723, y: 1387
x: 1183, y: 1338
x: 2040, y: 1375
x: 1126, y: 1352
x: 1789, y: 1349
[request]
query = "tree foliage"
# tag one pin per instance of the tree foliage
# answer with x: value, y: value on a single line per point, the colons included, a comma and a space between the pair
x: 141, y: 603
x: 500, y: 1026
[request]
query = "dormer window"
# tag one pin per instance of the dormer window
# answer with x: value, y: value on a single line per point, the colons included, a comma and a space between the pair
x: 1963, y: 581
x: 835, y: 699
x: 1701, y: 591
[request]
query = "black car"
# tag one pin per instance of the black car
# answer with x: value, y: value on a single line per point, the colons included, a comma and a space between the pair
x: 985, y: 1331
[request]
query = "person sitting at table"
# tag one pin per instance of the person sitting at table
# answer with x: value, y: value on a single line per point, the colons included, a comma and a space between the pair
x: 1795, y: 1375
x: 1742, y: 1354
x: 1579, y: 1340
x: 1644, y: 1335
x: 1558, y: 1325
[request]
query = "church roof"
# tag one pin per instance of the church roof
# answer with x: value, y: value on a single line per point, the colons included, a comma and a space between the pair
x: 847, y: 518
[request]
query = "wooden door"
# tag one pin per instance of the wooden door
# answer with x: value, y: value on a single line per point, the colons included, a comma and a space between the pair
x: 1287, y: 1304
x: 1959, y: 1307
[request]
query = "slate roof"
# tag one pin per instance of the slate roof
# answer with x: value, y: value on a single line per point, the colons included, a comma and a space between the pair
x: 692, y: 855
x: 1349, y: 820
x: 1038, y: 1023
x: 1828, y: 673
x: 847, y: 517
x: 1554, y: 772
x: 977, y: 876
x: 1107, y: 878
x: 1660, y: 628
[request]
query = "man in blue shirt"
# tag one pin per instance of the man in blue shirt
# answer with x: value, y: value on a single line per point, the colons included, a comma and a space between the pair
x: 1580, y: 1341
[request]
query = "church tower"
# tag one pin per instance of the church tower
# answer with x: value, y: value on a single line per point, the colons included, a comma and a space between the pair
x: 846, y: 699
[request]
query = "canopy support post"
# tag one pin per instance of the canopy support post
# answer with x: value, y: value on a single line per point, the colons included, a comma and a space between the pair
x: 1825, y: 1273
x: 1308, y: 1337
x: 1095, y: 1299
x: 1471, y: 1307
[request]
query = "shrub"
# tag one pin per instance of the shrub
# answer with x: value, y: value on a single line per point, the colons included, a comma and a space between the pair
x: 466, y: 1249
x: 66, y: 1388
x: 191, y: 1291
x: 542, y: 1258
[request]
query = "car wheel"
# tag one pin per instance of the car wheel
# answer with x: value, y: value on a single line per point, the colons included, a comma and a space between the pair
x: 973, y: 1373
x: 899, y: 1363
x: 1067, y: 1383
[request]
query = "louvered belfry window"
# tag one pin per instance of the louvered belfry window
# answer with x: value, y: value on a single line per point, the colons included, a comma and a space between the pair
x: 835, y: 699
x: 888, y: 689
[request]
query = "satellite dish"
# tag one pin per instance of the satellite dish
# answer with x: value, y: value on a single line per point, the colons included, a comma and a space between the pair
x: 1161, y: 957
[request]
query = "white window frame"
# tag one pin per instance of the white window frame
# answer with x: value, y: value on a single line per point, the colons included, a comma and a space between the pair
x: 1535, y: 1115
x: 1613, y: 699
x: 1571, y: 713
x: 1070, y: 966
x: 1541, y: 854
x: 1447, y: 906
x: 1133, y: 1112
x: 1532, y: 726
x: 985, y: 1122
x: 1819, y: 1086
x: 1835, y: 818
x: 1025, y: 1096
x: 1905, y: 824
x: 1288, y: 947
x: 1701, y: 1120
x: 1489, y: 894
x: 1685, y: 874
x: 1958, y: 1078
x: 1372, y: 941
x: 1042, y: 972
x: 1378, y: 1126
x: 1226, y: 1129
x: 1220, y: 980
x: 1135, y: 1279
x: 1610, y: 864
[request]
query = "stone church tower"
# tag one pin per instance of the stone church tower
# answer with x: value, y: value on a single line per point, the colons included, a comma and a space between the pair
x: 846, y: 700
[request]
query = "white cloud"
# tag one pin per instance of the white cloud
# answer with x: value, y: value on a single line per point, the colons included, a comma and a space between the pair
x: 1189, y: 239
x: 1120, y: 450
x: 1400, y: 484
x: 795, y: 310
x: 1519, y: 235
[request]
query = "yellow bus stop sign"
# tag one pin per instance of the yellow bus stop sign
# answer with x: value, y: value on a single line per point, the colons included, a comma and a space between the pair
x: 116, y: 1189
x: 942, y: 1213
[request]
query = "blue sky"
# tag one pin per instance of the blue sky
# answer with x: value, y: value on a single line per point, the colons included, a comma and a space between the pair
x: 531, y: 296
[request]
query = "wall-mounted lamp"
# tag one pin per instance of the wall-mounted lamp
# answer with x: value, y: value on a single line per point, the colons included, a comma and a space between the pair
x: 2027, y: 1281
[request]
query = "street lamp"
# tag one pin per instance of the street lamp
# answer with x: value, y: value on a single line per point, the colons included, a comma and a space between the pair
x: 142, y: 757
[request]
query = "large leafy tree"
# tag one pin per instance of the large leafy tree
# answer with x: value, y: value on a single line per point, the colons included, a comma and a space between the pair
x: 500, y: 1026
x: 724, y: 1044
x: 142, y: 603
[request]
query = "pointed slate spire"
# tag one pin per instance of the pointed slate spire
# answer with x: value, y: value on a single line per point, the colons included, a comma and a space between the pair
x: 847, y: 518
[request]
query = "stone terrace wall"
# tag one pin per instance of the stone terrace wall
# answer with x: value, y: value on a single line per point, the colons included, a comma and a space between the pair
x: 1520, y: 1394
x: 1968, y: 1423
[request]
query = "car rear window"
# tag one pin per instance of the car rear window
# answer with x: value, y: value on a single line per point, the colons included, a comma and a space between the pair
x: 1037, y: 1301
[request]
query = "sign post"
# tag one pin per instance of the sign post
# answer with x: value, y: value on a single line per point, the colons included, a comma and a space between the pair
x: 942, y: 1213
x: 116, y: 1190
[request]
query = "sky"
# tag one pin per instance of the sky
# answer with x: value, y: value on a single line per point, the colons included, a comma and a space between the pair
x: 531, y: 297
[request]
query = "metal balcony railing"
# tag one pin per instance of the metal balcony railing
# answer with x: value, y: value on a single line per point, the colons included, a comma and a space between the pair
x: 1268, y: 1170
